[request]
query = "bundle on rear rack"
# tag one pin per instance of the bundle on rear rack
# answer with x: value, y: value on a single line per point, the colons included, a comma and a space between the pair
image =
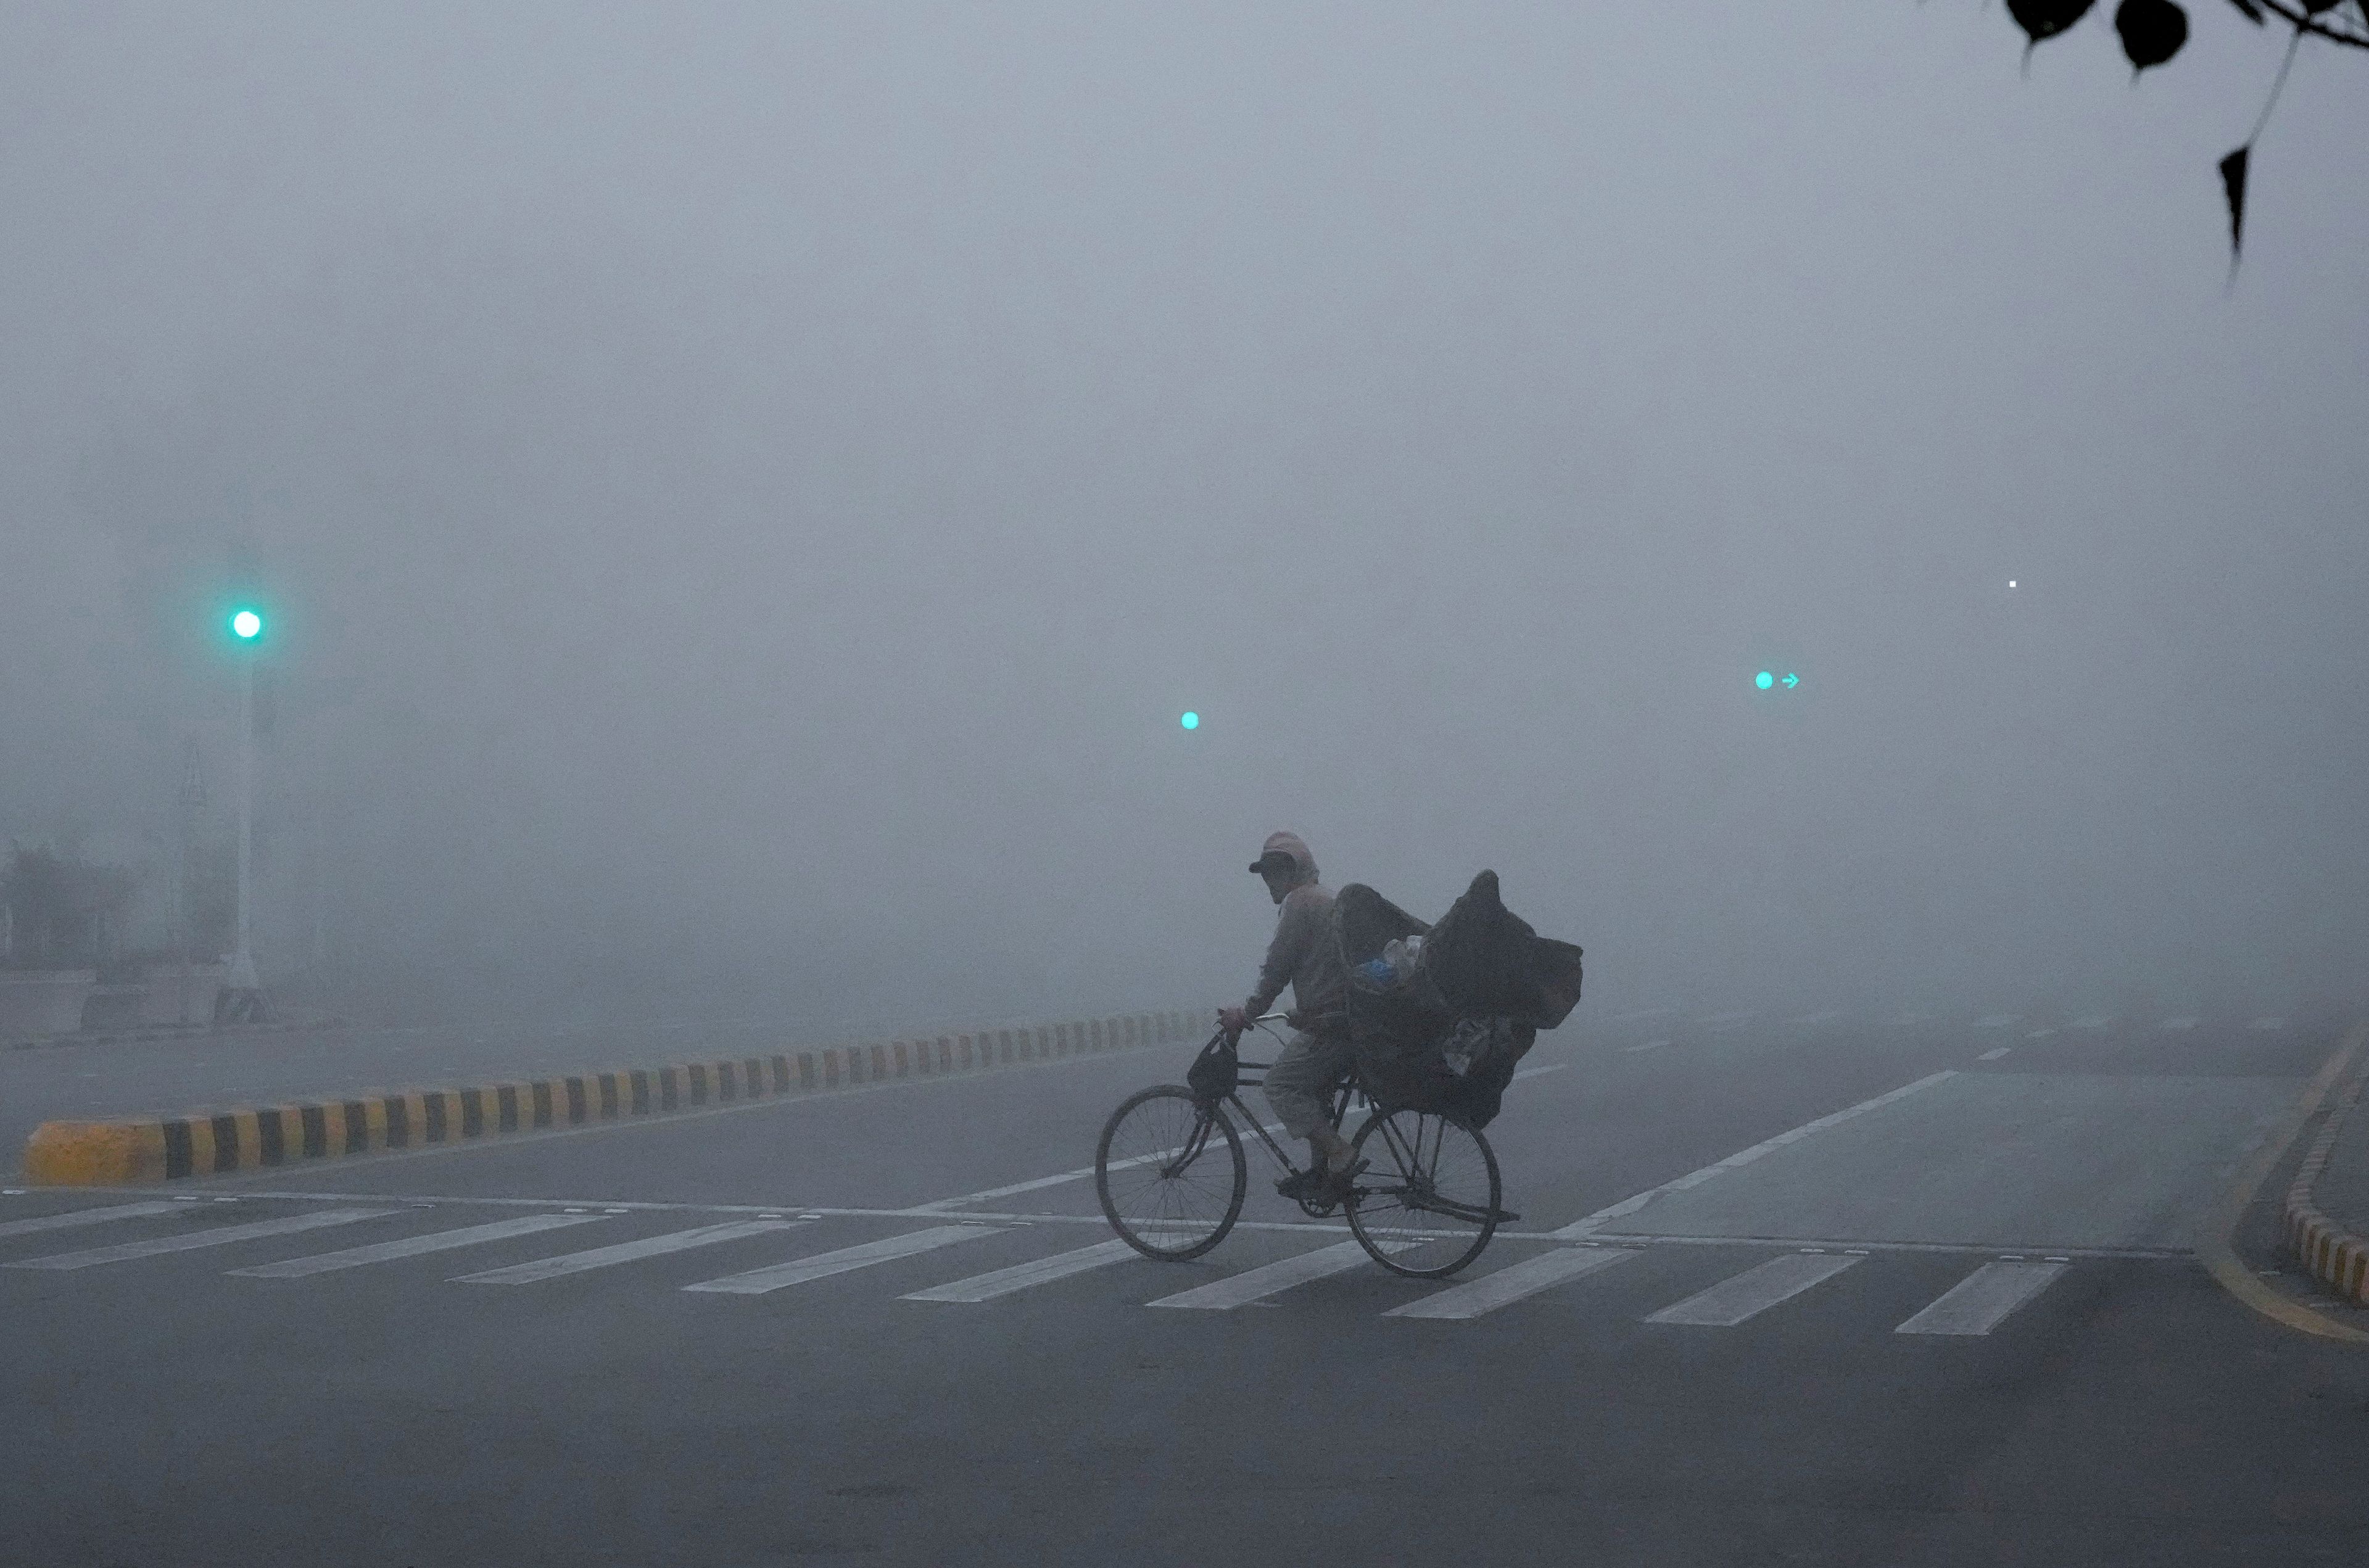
x: 1441, y: 1014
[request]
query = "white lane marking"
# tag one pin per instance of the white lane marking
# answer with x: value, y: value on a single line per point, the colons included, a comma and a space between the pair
x: 412, y: 1246
x: 2093, y: 1020
x: 1589, y: 1224
x: 1020, y: 1276
x: 1818, y: 1017
x: 1018, y: 1187
x: 82, y: 1217
x: 2182, y: 1023
x: 1527, y: 1278
x: 2267, y: 1023
x: 1994, y: 1053
x: 1271, y: 1279
x: 1977, y: 1303
x: 1753, y: 1292
x: 220, y: 1236
x: 422, y: 1202
x: 822, y: 1265
x: 1085, y: 1171
x: 626, y: 1251
x: 1648, y: 1046
x: 2040, y: 1034
x: 1995, y: 1020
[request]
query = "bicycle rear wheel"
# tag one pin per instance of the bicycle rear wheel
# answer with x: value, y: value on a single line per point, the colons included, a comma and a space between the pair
x: 1428, y: 1200
x: 1171, y: 1174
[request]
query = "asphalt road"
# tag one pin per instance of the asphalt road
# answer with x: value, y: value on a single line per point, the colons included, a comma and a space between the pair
x: 1934, y: 1303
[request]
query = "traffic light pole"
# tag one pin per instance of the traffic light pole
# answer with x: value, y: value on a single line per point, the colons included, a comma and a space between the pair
x: 241, y: 993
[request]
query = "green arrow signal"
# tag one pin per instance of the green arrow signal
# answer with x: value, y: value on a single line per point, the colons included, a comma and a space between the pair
x: 1792, y: 681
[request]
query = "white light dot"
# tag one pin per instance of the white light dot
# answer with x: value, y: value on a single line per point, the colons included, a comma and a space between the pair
x: 2010, y: 582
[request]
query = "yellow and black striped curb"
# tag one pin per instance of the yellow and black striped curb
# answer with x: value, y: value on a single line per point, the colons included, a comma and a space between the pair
x: 150, y: 1149
x: 2336, y: 1256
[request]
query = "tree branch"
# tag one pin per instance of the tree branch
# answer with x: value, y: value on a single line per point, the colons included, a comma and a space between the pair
x: 2301, y: 21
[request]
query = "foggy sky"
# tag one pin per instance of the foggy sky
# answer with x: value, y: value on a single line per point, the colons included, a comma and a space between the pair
x: 746, y: 492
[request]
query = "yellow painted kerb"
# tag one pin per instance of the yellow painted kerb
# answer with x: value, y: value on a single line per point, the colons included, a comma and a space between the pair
x: 95, y: 1155
x: 2218, y: 1245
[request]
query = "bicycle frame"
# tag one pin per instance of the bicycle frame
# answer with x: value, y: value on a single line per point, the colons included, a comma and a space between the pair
x: 1336, y: 1112
x: 1408, y: 1157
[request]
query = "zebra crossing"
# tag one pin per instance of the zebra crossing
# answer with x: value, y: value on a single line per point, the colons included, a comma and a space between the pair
x: 1980, y: 1302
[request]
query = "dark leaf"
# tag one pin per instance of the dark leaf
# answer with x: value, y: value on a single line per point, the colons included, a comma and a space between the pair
x: 2233, y: 182
x: 2152, y: 30
x: 2041, y: 19
x: 2314, y: 7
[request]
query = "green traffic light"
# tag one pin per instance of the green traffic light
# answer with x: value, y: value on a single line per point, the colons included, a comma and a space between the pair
x: 245, y: 625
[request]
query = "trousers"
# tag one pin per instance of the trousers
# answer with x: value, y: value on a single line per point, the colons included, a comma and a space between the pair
x: 1304, y: 1072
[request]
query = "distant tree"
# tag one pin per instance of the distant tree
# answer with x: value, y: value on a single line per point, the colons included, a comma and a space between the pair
x: 62, y: 912
x: 2153, y: 30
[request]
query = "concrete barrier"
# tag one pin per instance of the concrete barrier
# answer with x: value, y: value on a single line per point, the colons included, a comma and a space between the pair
x: 140, y: 1151
x: 2332, y: 1252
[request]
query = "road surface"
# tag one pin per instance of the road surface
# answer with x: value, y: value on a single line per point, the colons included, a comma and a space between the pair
x: 1839, y: 1288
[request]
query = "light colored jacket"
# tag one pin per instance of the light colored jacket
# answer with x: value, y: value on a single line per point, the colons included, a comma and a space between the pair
x: 1304, y: 954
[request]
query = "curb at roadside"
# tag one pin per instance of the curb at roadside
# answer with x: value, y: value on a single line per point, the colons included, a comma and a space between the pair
x: 2336, y: 1258
x: 138, y: 1150
x: 165, y: 1032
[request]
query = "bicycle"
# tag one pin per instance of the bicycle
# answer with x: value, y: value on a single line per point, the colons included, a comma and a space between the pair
x: 1172, y: 1176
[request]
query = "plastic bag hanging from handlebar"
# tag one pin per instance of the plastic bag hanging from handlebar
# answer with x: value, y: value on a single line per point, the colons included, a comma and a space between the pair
x: 1216, y: 1071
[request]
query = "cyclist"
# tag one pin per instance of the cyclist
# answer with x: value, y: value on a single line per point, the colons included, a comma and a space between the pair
x: 1304, y: 955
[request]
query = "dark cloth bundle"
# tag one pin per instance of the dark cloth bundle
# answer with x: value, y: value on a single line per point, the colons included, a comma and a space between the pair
x: 1446, y: 1036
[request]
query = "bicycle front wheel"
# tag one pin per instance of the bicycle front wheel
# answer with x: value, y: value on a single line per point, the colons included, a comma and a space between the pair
x: 1170, y: 1174
x: 1427, y: 1202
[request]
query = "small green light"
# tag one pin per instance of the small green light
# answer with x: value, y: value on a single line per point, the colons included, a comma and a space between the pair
x: 1764, y: 680
x: 1191, y: 721
x: 246, y: 626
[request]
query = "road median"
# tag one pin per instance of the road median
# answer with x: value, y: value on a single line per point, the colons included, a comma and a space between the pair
x: 135, y: 1151
x: 2326, y: 1217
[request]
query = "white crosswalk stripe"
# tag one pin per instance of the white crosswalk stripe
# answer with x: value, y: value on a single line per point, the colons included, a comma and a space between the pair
x: 413, y: 1246
x: 1270, y: 1280
x: 1975, y: 1307
x: 1023, y: 1275
x: 1978, y: 1303
x: 1746, y: 1295
x: 215, y: 1236
x: 1532, y: 1275
x: 627, y: 1252
x: 79, y: 1217
x: 822, y: 1265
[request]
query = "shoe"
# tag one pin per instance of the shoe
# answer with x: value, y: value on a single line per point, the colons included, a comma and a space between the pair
x: 1333, y: 1186
x: 1302, y: 1186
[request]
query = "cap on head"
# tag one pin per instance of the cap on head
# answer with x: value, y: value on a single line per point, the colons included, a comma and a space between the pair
x: 1286, y: 854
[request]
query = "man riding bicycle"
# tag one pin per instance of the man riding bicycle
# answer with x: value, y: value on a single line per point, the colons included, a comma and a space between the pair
x: 1305, y: 955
